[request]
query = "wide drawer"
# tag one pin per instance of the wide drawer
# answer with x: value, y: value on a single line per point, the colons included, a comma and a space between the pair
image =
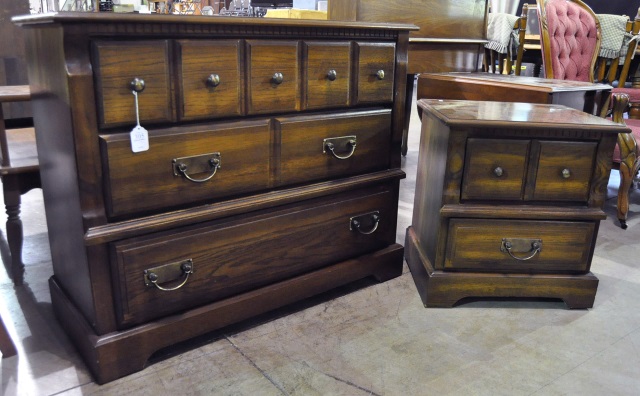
x: 185, y: 165
x: 519, y: 245
x: 233, y: 256
x: 528, y: 169
x: 321, y: 147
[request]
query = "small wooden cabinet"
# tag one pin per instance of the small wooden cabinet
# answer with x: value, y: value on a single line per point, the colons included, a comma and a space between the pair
x: 508, y: 201
x: 272, y: 172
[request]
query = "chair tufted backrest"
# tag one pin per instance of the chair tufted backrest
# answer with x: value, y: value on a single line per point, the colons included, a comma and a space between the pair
x: 572, y: 34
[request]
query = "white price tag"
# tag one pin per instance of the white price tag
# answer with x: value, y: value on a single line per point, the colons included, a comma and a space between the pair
x: 139, y: 139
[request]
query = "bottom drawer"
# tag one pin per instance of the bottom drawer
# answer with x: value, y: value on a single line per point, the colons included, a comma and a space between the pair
x: 519, y: 245
x: 246, y: 252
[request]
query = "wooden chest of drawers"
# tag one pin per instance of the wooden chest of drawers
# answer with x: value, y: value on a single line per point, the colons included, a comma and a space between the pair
x: 272, y: 171
x: 508, y: 201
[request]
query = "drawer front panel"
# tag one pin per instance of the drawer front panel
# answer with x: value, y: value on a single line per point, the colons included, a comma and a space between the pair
x: 328, y: 72
x: 478, y: 245
x: 231, y: 257
x: 304, y: 152
x: 209, y: 81
x: 564, y: 171
x: 148, y: 180
x: 116, y: 64
x: 375, y: 72
x: 494, y: 169
x: 274, y: 81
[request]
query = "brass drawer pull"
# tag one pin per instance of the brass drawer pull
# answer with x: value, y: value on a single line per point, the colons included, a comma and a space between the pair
x: 566, y: 173
x: 332, y: 75
x: 518, y: 245
x: 168, y: 272
x: 380, y: 74
x: 137, y: 84
x: 213, y: 80
x: 277, y: 78
x: 371, y: 220
x: 498, y: 171
x: 330, y: 144
x: 197, y: 164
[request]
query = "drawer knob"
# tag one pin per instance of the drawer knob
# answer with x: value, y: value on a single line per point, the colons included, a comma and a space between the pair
x: 498, y: 171
x: 519, y: 245
x: 277, y: 78
x: 330, y: 144
x: 168, y: 273
x: 332, y: 75
x: 566, y: 173
x: 197, y: 164
x: 380, y: 74
x: 213, y: 80
x: 137, y: 84
x: 369, y: 220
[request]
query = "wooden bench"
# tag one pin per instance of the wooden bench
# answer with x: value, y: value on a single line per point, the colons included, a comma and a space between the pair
x: 19, y: 171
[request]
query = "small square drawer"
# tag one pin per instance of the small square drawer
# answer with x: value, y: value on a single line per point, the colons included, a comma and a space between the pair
x: 185, y: 165
x: 209, y: 79
x: 519, y: 245
x: 116, y: 65
x: 375, y: 72
x: 328, y: 72
x: 202, y: 264
x: 321, y: 147
x: 495, y: 169
x: 564, y: 171
x: 273, y: 76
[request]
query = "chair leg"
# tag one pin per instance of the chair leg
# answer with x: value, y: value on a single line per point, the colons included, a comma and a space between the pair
x: 628, y: 169
x: 12, y: 201
x: 7, y: 346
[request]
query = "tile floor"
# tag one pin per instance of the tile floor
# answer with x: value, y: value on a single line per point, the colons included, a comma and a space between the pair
x: 364, y: 339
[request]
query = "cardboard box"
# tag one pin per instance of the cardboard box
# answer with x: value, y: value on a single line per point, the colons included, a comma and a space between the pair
x: 294, y: 13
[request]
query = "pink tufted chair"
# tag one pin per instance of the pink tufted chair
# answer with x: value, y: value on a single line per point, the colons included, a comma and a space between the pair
x: 570, y: 38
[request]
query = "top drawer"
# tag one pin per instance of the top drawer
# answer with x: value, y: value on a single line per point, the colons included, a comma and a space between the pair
x: 116, y: 65
x: 375, y: 72
x: 529, y: 170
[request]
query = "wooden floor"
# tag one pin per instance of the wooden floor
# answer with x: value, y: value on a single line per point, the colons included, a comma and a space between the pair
x: 365, y: 339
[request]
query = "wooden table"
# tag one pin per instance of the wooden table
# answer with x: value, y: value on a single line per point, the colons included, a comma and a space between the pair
x: 508, y: 201
x: 19, y: 172
x: 588, y: 97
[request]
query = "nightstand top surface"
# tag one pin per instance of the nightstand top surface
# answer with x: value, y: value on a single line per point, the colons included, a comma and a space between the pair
x: 471, y: 113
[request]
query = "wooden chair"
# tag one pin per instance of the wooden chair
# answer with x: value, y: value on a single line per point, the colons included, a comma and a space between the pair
x: 504, y: 59
x: 20, y: 172
x: 615, y: 71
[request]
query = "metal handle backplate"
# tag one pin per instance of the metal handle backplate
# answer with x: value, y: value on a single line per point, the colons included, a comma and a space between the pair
x: 513, y: 246
x: 204, y: 163
x: 340, y: 144
x: 169, y: 273
x: 365, y: 223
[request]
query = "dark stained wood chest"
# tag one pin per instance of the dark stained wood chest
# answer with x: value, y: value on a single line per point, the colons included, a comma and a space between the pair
x: 272, y: 172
